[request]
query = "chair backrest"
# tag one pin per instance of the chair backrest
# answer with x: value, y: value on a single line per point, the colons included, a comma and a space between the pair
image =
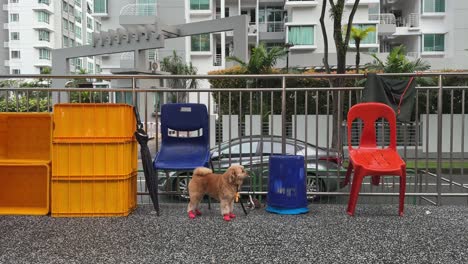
x: 185, y: 117
x: 369, y: 113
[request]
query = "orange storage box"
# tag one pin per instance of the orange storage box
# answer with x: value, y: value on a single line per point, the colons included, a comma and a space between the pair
x: 94, y: 159
x: 24, y: 189
x: 25, y: 137
x: 93, y: 121
x: 114, y: 196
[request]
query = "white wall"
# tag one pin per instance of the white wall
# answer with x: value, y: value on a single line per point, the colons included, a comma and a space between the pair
x: 449, y: 135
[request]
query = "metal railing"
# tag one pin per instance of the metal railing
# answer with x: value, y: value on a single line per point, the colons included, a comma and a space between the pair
x: 433, y: 144
x: 139, y: 10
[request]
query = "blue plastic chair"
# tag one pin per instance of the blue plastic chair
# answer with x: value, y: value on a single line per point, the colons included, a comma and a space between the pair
x: 179, y: 152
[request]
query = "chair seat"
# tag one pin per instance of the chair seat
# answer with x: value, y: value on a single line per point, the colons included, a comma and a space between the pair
x: 377, y: 161
x: 188, y: 159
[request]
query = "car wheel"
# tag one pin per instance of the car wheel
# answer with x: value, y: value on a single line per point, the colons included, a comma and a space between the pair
x: 183, y: 186
x: 314, y: 185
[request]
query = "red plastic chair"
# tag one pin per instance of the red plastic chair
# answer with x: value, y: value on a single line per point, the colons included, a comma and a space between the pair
x: 368, y: 159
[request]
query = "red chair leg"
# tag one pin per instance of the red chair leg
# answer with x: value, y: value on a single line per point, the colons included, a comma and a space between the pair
x: 402, y: 192
x: 355, y: 188
x: 348, y: 174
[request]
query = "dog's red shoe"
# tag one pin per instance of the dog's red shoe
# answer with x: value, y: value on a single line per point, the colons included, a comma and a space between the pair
x: 191, y: 215
x: 227, y: 217
x: 197, y: 212
x: 231, y: 215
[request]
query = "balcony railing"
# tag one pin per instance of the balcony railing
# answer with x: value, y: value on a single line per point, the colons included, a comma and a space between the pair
x: 386, y: 18
x: 217, y: 60
x: 139, y: 10
x: 271, y: 27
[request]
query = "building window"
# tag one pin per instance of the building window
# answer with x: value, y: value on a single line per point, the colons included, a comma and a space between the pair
x: 146, y: 7
x: 71, y: 26
x: 98, y: 27
x: 201, y: 42
x: 78, y: 3
x: 89, y: 37
x: 78, y: 63
x: 14, y: 17
x: 78, y: 32
x: 16, y: 71
x: 272, y: 17
x: 371, y: 36
x: 434, y: 6
x: 90, y: 67
x: 44, y: 54
x: 100, y: 6
x: 43, y: 17
x: 65, y: 6
x: 89, y: 22
x: 43, y: 2
x: 72, y: 43
x: 199, y: 4
x: 78, y: 15
x: 65, y: 23
x: 14, y: 35
x: 44, y: 35
x: 98, y: 68
x: 433, y: 42
x: 15, y: 54
x: 65, y: 41
x: 301, y: 35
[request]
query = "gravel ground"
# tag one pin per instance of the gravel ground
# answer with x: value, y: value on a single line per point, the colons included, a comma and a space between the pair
x: 426, y: 234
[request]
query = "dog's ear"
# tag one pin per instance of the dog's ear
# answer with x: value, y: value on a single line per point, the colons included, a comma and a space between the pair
x: 232, y: 175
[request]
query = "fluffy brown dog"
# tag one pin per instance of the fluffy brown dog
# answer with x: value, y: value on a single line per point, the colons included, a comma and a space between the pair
x: 222, y: 187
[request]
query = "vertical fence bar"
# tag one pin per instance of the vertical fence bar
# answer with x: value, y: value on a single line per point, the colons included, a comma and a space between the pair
x: 451, y: 140
x: 283, y: 117
x: 134, y: 101
x: 416, y: 148
x: 439, y: 142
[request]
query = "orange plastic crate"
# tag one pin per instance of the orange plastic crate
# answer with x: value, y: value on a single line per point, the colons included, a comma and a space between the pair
x: 24, y: 189
x: 73, y: 197
x: 94, y: 160
x: 25, y: 137
x: 95, y: 121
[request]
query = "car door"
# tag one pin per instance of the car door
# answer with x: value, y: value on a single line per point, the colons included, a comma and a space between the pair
x: 236, y: 153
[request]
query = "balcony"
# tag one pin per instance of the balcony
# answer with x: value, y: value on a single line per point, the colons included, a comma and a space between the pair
x: 389, y: 24
x: 139, y: 10
x: 43, y: 7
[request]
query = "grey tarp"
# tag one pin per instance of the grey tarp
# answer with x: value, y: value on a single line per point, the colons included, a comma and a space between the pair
x: 399, y: 94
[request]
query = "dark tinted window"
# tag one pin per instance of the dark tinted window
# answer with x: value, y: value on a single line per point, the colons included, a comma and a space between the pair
x: 290, y: 149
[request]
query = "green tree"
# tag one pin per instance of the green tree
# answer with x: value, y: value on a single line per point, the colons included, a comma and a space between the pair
x: 262, y: 60
x: 358, y: 34
x: 397, y: 62
x: 176, y: 66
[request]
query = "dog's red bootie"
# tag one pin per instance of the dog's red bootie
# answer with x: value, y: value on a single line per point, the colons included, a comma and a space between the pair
x: 197, y: 212
x: 231, y: 215
x: 191, y: 215
x: 227, y: 217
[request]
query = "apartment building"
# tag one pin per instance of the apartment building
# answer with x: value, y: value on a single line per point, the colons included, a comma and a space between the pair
x: 32, y: 28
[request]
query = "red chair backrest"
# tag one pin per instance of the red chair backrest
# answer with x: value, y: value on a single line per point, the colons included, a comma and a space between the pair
x: 369, y: 113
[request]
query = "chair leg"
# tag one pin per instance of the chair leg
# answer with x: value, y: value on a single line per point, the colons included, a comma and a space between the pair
x: 355, y: 188
x: 348, y: 174
x: 402, y: 192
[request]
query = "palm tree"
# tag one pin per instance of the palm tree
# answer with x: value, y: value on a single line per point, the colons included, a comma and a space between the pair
x: 262, y: 60
x: 358, y: 34
x: 397, y: 63
x: 176, y: 66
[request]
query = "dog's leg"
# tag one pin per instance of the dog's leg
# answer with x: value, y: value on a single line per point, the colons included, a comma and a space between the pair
x: 225, y: 208
x: 192, y: 208
x: 231, y: 209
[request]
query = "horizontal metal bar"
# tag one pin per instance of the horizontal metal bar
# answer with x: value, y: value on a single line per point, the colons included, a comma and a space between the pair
x: 162, y: 90
x: 333, y: 194
x: 243, y: 76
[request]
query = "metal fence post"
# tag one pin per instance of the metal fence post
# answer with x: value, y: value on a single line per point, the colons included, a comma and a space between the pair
x: 283, y: 117
x: 439, y: 142
x: 134, y: 100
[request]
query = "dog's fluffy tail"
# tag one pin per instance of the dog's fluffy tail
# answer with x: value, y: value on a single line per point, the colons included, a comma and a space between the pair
x: 202, y: 171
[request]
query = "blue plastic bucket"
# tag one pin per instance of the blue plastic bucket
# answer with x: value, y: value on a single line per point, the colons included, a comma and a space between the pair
x: 287, y: 193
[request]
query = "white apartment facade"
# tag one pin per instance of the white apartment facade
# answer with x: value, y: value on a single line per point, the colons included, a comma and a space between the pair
x: 34, y: 27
